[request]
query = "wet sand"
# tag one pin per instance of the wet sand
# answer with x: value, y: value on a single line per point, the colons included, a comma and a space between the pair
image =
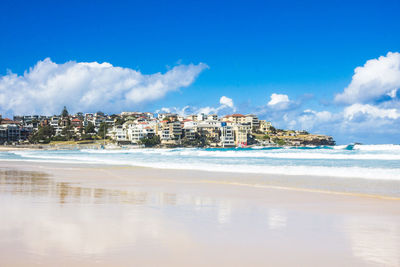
x: 75, y: 215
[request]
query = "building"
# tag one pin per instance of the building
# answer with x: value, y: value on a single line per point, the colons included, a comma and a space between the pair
x: 253, y: 121
x: 10, y: 131
x: 235, y: 118
x: 241, y: 132
x: 227, y: 136
x: 265, y: 126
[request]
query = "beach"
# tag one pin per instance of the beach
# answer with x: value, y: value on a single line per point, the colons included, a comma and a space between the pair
x: 91, y: 214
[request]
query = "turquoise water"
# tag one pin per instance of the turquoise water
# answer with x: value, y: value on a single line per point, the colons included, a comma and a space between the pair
x: 362, y: 161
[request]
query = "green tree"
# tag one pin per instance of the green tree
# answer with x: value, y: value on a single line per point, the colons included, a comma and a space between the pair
x: 42, y: 135
x: 198, y: 141
x: 102, y: 129
x: 64, y: 112
x: 279, y: 142
x: 151, y: 141
x: 67, y: 132
x: 89, y: 128
x: 119, y: 121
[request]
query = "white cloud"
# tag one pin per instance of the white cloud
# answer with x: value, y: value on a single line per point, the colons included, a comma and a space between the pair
x: 377, y: 78
x: 226, y: 101
x: 88, y: 86
x: 279, y: 102
x: 373, y: 112
x: 278, y: 99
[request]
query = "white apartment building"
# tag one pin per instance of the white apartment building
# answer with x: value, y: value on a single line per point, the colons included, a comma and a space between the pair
x: 227, y: 136
x: 136, y: 132
x: 119, y: 133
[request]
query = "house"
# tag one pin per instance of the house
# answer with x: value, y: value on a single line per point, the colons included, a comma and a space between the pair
x: 76, y: 122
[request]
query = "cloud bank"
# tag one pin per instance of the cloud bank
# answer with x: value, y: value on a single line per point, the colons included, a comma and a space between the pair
x: 226, y: 105
x: 88, y: 86
x: 367, y: 110
x: 376, y: 79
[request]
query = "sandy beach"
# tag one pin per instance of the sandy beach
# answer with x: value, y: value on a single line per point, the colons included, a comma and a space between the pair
x: 84, y: 215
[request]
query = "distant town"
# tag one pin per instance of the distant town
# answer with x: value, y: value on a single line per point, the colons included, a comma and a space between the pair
x: 152, y: 130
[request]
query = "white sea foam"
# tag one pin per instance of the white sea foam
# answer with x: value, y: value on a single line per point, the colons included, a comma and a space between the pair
x: 235, y: 161
x: 280, y: 154
x: 387, y: 147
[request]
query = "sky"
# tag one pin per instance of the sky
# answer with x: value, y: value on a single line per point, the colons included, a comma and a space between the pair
x: 328, y: 67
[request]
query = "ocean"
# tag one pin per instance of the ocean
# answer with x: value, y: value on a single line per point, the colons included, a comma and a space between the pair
x: 357, y: 161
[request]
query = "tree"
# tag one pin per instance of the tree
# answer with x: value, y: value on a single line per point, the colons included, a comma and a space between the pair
x: 89, y: 128
x: 198, y: 141
x: 43, y: 135
x: 64, y: 113
x: 119, y: 121
x: 103, y: 129
x: 67, y: 132
x: 150, y: 141
x: 279, y: 142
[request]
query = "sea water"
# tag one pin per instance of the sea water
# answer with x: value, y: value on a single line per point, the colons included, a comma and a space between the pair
x: 358, y: 161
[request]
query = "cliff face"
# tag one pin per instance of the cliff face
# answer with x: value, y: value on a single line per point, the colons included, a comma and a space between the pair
x: 296, y: 140
x: 318, y: 140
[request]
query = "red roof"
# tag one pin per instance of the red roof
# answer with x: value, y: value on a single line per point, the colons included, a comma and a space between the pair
x: 237, y: 115
x: 76, y: 120
x: 8, y: 121
x: 187, y: 120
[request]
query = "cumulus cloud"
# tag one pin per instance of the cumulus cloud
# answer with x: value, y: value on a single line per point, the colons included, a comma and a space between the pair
x: 376, y: 79
x: 226, y: 101
x: 279, y: 101
x: 85, y: 86
x: 366, y: 110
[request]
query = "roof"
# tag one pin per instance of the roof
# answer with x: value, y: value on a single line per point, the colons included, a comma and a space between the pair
x: 187, y: 120
x: 8, y: 121
x: 234, y: 115
x: 76, y: 120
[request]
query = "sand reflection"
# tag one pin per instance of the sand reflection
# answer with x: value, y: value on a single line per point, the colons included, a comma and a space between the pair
x: 376, y: 241
x: 40, y: 184
x: 132, y: 221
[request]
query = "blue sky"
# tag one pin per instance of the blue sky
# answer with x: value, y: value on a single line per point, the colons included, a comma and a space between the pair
x: 251, y: 50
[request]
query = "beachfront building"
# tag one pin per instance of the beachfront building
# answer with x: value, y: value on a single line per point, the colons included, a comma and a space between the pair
x: 133, y: 132
x: 169, y: 132
x: 10, y: 131
x: 227, y: 136
x: 241, y: 132
x: 119, y: 133
x: 210, y: 129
